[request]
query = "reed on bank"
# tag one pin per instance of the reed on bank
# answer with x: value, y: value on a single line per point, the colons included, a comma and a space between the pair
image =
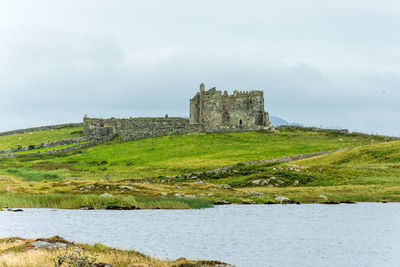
x: 69, y: 201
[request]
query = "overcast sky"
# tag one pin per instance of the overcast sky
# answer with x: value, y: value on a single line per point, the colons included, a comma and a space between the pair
x: 333, y: 63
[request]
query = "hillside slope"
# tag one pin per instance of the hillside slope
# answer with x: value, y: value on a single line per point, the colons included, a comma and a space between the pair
x: 366, y: 173
x: 184, y: 153
x: 138, y: 173
x: 31, y: 138
x: 381, y: 153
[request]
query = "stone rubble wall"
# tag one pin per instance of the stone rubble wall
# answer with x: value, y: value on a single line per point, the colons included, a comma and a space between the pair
x: 295, y: 157
x: 91, y: 142
x: 41, y: 128
x: 14, y: 155
x: 313, y: 129
x: 62, y: 142
x: 223, y: 170
x: 140, y: 128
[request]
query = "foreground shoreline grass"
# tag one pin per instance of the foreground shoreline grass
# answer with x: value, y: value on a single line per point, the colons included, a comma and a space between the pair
x: 15, y: 251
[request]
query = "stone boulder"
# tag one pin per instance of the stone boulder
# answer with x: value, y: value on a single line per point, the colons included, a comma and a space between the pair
x: 48, y: 245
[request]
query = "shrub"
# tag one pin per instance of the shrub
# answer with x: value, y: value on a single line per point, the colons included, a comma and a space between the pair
x: 75, y: 259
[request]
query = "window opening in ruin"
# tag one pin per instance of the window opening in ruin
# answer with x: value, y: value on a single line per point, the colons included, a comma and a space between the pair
x: 240, y: 122
x: 225, y: 119
x: 259, y: 118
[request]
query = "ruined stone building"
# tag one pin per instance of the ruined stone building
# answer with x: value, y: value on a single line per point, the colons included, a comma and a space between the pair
x: 210, y: 111
x: 241, y: 109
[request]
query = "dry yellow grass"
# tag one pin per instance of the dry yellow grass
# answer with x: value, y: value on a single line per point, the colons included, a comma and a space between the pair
x: 20, y: 252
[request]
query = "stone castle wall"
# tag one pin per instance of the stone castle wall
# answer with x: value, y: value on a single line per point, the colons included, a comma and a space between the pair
x: 137, y: 128
x: 140, y: 128
x: 210, y: 111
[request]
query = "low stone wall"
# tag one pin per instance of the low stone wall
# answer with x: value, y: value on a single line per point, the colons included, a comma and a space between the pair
x: 47, y: 145
x: 228, y: 169
x: 14, y: 155
x: 295, y: 157
x: 313, y: 129
x: 140, y: 128
x: 41, y: 128
x: 91, y: 142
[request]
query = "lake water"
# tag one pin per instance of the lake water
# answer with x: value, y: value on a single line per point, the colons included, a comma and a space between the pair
x: 366, y: 234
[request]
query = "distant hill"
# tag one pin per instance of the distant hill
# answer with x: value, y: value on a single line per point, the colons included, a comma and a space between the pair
x: 276, y: 121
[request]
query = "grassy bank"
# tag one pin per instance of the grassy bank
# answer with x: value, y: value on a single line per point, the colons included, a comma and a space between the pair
x: 69, y: 201
x: 21, y: 252
x: 148, y: 173
x: 170, y: 155
x: 43, y: 150
x: 366, y: 173
x: 38, y: 137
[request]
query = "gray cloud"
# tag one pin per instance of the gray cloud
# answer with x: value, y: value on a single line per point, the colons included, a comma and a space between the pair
x: 330, y: 63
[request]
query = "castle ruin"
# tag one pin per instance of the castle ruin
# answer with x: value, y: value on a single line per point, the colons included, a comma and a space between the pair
x: 242, y: 109
x: 210, y: 111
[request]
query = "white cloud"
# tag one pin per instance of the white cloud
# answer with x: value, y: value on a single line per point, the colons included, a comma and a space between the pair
x: 333, y: 63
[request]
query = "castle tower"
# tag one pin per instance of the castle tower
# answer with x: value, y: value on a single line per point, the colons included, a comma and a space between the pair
x: 243, y: 109
x: 196, y: 105
x: 202, y: 87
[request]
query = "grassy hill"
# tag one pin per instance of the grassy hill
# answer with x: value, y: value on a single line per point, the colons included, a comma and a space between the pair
x: 377, y: 164
x: 168, y: 155
x: 365, y: 173
x: 38, y: 137
x: 135, y: 172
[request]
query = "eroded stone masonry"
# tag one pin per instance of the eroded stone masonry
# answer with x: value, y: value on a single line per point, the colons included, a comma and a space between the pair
x: 242, y: 109
x: 210, y: 111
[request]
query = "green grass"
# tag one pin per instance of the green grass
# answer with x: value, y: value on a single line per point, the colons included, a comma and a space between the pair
x: 367, y: 165
x: 367, y: 173
x: 135, y: 172
x: 386, y: 153
x: 35, y: 175
x: 42, y: 150
x: 185, y: 153
x: 377, y: 164
x: 38, y: 137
